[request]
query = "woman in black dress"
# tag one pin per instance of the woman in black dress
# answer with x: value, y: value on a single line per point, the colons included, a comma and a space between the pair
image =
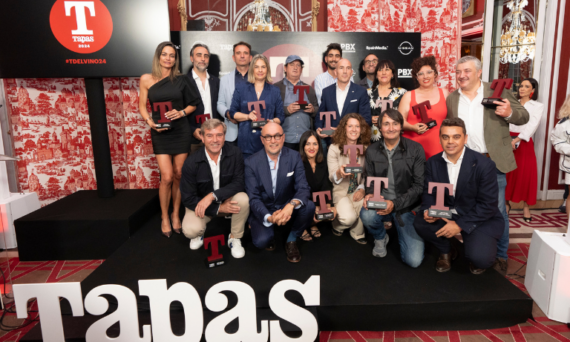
x: 170, y: 92
x: 317, y: 174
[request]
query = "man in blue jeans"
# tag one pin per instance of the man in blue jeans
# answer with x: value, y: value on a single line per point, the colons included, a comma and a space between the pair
x: 401, y: 160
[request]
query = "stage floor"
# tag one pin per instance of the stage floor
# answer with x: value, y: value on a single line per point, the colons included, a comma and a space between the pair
x: 358, y: 291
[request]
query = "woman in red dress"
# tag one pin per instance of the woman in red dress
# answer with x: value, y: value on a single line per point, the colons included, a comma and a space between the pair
x: 424, y: 71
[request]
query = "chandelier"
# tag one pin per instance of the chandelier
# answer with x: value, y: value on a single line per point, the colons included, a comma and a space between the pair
x: 517, y: 44
x: 262, y: 20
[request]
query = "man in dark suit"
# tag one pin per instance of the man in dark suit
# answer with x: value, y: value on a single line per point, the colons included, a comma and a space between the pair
x: 473, y: 201
x: 343, y: 97
x: 278, y: 191
x: 208, y: 86
x: 212, y: 184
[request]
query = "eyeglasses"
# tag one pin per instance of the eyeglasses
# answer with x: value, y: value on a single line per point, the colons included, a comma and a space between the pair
x: 372, y: 62
x: 427, y: 73
x: 269, y: 137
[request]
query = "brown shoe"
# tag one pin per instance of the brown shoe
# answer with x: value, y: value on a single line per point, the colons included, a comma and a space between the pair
x: 475, y: 270
x: 443, y: 263
x: 501, y: 266
x: 293, y: 254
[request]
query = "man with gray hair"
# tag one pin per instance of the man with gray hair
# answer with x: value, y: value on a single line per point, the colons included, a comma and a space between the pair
x: 212, y: 184
x: 488, y: 131
x: 208, y: 86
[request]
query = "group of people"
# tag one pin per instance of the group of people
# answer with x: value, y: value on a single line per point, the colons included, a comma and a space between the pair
x: 262, y: 177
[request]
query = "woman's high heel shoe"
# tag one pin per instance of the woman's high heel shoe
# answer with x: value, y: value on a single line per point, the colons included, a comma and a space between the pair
x: 168, y: 233
x: 527, y: 219
x: 176, y: 230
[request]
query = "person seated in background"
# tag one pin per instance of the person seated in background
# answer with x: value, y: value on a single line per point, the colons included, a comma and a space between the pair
x: 473, y: 203
x: 212, y: 185
x: 297, y: 120
x: 279, y: 194
x: 401, y: 160
x: 369, y: 68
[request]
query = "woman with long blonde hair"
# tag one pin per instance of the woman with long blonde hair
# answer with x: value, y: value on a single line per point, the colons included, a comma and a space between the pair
x: 560, y: 139
x: 172, y: 98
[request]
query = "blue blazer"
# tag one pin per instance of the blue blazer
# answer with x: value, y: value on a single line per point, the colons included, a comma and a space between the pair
x: 248, y: 141
x: 357, y: 101
x: 477, y: 194
x: 291, y: 182
x: 227, y: 86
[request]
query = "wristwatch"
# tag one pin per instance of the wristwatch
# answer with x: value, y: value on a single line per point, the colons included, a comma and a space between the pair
x: 293, y: 203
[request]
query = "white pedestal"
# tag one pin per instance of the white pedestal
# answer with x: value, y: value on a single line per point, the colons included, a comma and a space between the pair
x: 548, y: 274
x: 12, y: 208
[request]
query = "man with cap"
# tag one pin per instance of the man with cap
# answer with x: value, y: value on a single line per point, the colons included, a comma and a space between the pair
x: 297, y: 120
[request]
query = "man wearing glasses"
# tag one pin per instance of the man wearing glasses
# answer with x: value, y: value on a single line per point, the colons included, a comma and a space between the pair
x: 278, y: 192
x: 369, y: 67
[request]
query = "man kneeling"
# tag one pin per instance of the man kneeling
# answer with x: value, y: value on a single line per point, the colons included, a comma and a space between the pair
x: 212, y: 184
x: 473, y: 203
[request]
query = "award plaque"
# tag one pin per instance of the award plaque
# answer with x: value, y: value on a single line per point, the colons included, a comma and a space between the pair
x: 498, y: 86
x: 439, y: 209
x: 216, y: 259
x: 201, y: 118
x: 421, y: 111
x: 376, y: 201
x: 302, y: 90
x: 257, y: 105
x: 324, y: 213
x: 327, y: 130
x: 353, y: 166
x: 162, y: 107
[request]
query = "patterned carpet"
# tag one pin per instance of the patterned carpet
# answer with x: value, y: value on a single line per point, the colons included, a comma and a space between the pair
x: 548, y: 220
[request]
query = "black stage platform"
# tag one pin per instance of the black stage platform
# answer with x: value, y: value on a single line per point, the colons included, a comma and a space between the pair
x: 83, y: 226
x: 358, y: 291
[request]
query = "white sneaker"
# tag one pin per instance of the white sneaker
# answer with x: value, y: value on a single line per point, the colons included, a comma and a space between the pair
x: 196, y: 242
x: 235, y: 247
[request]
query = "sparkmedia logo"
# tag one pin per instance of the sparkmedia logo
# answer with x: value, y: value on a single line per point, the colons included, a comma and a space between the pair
x: 81, y: 26
x: 377, y: 47
x: 405, y: 48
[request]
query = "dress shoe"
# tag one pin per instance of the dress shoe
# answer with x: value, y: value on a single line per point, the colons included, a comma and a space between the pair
x: 443, y: 264
x: 501, y: 266
x: 270, y: 246
x: 293, y: 254
x: 476, y: 270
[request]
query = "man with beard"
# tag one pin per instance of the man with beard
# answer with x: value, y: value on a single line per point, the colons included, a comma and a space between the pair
x: 333, y: 54
x: 369, y: 67
x: 208, y: 86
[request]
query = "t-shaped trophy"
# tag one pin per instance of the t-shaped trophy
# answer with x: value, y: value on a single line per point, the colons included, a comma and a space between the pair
x: 201, y: 118
x: 216, y: 259
x: 498, y: 85
x: 376, y: 201
x: 327, y: 130
x: 159, y: 110
x: 257, y: 105
x: 302, y: 90
x: 324, y: 212
x: 353, y: 166
x: 421, y: 110
x: 439, y: 209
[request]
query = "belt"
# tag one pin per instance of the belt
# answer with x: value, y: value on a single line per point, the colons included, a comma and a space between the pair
x: 486, y: 155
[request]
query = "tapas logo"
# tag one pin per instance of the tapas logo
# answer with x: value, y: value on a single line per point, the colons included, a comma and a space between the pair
x: 81, y: 26
x: 405, y: 48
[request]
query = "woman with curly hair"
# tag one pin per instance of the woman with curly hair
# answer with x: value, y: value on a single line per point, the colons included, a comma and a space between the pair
x: 348, y: 188
x: 424, y: 72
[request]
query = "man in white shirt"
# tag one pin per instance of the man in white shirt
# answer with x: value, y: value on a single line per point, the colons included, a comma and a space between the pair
x: 213, y: 185
x: 488, y: 131
x: 473, y: 201
x: 333, y: 55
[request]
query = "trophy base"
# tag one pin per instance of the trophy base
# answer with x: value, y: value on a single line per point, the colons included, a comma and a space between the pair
x: 303, y: 105
x: 353, y: 169
x: 214, y: 263
x: 325, y: 216
x: 164, y: 125
x: 488, y: 102
x: 371, y: 205
x: 258, y: 124
x: 328, y: 132
x: 431, y: 124
x: 439, y: 213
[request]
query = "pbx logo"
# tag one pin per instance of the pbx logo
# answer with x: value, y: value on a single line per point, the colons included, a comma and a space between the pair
x: 81, y: 26
x: 348, y: 47
x: 405, y: 73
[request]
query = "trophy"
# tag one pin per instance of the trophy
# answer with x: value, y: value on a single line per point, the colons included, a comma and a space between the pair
x: 421, y: 111
x: 302, y: 90
x: 162, y: 108
x: 257, y: 105
x: 216, y: 259
x: 382, y: 106
x: 324, y: 213
x: 376, y: 201
x: 201, y: 118
x: 439, y: 209
x: 353, y: 166
x: 327, y: 130
x: 498, y: 86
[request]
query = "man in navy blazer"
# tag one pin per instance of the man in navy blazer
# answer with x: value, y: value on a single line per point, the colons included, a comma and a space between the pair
x: 278, y: 192
x: 344, y: 97
x: 473, y: 203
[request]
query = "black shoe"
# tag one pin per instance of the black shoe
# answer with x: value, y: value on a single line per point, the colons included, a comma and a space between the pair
x: 476, y: 270
x: 293, y: 254
x: 271, y: 246
x: 501, y: 266
x: 562, y: 208
x: 527, y: 219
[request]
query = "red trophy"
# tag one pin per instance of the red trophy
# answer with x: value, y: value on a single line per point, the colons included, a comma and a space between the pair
x: 302, y: 90
x: 353, y: 166
x: 439, y: 209
x: 216, y: 259
x: 498, y: 86
x: 324, y: 212
x: 327, y: 130
x: 421, y: 110
x: 201, y: 118
x: 257, y: 105
x: 376, y: 201
x: 161, y: 120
